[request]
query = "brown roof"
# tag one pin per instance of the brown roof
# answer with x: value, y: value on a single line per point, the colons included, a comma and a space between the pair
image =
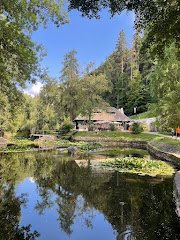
x: 110, y: 114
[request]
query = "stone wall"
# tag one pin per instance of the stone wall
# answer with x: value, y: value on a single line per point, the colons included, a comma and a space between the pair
x: 155, y: 149
x: 48, y: 138
x: 162, y: 154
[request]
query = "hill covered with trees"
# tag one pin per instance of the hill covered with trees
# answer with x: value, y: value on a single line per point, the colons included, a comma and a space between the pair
x: 145, y: 76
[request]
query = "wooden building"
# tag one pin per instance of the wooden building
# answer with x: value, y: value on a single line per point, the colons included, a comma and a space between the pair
x: 103, y: 120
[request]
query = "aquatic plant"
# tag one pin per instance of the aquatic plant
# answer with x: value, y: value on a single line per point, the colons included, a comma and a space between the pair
x: 119, y: 152
x: 90, y: 146
x: 139, y: 166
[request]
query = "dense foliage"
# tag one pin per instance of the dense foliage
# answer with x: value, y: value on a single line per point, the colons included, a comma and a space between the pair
x: 127, y: 70
x: 136, y: 128
x: 59, y: 100
x: 165, y: 85
x: 19, y: 55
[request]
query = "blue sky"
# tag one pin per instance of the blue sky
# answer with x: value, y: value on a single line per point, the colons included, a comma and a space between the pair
x: 93, y: 39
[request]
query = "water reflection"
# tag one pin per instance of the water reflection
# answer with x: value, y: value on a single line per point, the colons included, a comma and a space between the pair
x: 47, y: 196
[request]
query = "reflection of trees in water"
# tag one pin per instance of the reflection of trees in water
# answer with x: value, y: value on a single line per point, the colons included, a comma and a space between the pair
x: 127, y: 234
x: 75, y: 191
x: 142, y: 196
x: 65, y: 180
x: 147, y: 207
x: 11, y: 171
x: 66, y: 211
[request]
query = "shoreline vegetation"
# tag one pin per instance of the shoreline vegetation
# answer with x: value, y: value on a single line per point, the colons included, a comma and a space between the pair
x: 81, y: 139
x: 92, y: 141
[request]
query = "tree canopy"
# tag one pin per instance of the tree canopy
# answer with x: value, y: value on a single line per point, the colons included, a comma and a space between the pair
x: 165, y: 85
x: 30, y: 14
x: 19, y: 55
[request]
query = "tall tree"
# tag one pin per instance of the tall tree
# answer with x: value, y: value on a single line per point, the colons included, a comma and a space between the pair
x: 48, y: 117
x: 92, y: 88
x: 19, y: 55
x: 116, y: 68
x: 135, y: 54
x: 130, y: 84
x: 121, y: 49
x: 70, y: 78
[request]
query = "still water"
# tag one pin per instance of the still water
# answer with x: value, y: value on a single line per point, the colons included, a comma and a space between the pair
x: 47, y: 196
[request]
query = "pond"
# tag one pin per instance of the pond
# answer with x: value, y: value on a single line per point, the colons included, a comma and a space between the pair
x: 49, y: 196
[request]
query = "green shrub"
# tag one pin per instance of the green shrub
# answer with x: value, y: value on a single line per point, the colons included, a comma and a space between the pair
x: 136, y: 128
x: 91, y: 126
x: 67, y: 126
x: 90, y: 146
x: 112, y: 127
x: 24, y: 132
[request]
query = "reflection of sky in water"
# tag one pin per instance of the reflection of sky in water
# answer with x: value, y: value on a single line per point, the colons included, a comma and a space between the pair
x: 48, y: 226
x: 67, y: 201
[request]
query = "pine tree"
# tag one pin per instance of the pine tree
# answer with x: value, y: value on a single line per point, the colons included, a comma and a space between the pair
x: 134, y: 54
x: 121, y: 49
x: 70, y: 80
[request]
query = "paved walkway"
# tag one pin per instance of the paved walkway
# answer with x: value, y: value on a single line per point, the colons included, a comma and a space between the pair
x: 162, y: 135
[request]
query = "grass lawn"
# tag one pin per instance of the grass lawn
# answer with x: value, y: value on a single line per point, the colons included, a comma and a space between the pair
x: 168, y: 141
x: 166, y: 133
x: 115, y: 134
x: 142, y: 116
x: 128, y: 136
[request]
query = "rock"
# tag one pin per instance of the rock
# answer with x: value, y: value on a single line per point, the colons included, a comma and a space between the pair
x: 72, y: 151
x: 48, y: 138
x: 3, y: 142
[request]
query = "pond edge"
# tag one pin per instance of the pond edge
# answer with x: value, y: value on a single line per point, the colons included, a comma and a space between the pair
x: 150, y: 146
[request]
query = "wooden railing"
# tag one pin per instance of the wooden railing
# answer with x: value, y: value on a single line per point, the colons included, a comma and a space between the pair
x: 48, y: 132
